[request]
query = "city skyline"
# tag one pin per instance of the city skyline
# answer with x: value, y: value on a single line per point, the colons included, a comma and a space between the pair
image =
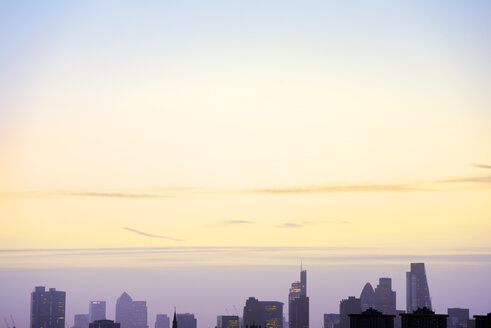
x: 193, y: 154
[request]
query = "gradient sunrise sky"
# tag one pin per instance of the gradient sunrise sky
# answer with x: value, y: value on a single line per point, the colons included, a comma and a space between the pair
x: 340, y: 127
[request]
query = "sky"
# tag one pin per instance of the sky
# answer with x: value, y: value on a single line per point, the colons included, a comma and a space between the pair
x: 196, y: 135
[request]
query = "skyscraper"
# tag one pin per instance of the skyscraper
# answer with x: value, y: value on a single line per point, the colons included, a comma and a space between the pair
x: 186, y: 320
x: 273, y: 314
x: 131, y: 314
x: 253, y: 313
x: 228, y: 321
x: 174, y: 321
x: 385, y: 297
x: 417, y: 291
x: 97, y: 310
x: 47, y: 308
x: 124, y: 311
x: 298, y: 303
x: 140, y: 314
x: 367, y: 297
x: 352, y: 305
x: 162, y: 321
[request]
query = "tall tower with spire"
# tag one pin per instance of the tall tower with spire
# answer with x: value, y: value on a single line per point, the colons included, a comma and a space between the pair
x: 298, y: 302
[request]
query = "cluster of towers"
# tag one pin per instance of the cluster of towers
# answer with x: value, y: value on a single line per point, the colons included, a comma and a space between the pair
x: 375, y: 308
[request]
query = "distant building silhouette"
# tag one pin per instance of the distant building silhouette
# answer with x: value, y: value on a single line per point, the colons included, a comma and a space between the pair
x: 267, y: 314
x: 367, y: 297
x: 104, y: 324
x: 331, y: 320
x: 385, y: 297
x: 47, y: 308
x: 457, y: 318
x: 397, y: 319
x: 174, y: 320
x: 97, y: 310
x: 352, y: 305
x: 423, y: 318
x: 417, y: 290
x: 162, y: 321
x: 483, y: 321
x: 131, y: 314
x: 298, y: 303
x: 228, y: 321
x: 186, y: 320
x: 273, y: 314
x: 81, y: 321
x: 253, y: 313
x: 371, y: 318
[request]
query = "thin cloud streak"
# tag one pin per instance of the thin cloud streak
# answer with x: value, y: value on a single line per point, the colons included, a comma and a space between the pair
x: 482, y: 166
x: 476, y: 179
x: 229, y: 223
x: 323, y: 189
x: 150, y: 235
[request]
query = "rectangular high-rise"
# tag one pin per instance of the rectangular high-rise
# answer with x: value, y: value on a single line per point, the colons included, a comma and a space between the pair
x: 273, y: 314
x: 228, y: 321
x: 47, y: 308
x: 186, y: 320
x: 162, y: 321
x: 97, y: 310
x: 417, y: 291
x: 385, y: 297
x: 298, y: 303
x: 352, y: 305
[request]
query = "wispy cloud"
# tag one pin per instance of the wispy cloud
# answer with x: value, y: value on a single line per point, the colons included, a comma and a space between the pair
x: 292, y: 225
x: 228, y: 223
x: 113, y: 195
x: 150, y: 235
x: 484, y: 179
x: 340, y: 188
x: 482, y: 166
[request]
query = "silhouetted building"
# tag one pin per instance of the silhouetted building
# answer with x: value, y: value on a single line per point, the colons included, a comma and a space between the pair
x: 417, y: 291
x: 162, y: 321
x: 299, y: 312
x: 352, y: 305
x: 174, y: 321
x: 131, y: 314
x: 228, y: 321
x: 47, y: 308
x: 385, y: 297
x: 298, y: 303
x: 471, y: 323
x: 186, y: 320
x: 457, y: 318
x: 331, y: 320
x: 483, y: 321
x: 97, y: 310
x: 371, y: 318
x: 367, y: 297
x: 273, y: 314
x: 104, y: 324
x: 253, y: 312
x: 81, y: 321
x: 423, y: 318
